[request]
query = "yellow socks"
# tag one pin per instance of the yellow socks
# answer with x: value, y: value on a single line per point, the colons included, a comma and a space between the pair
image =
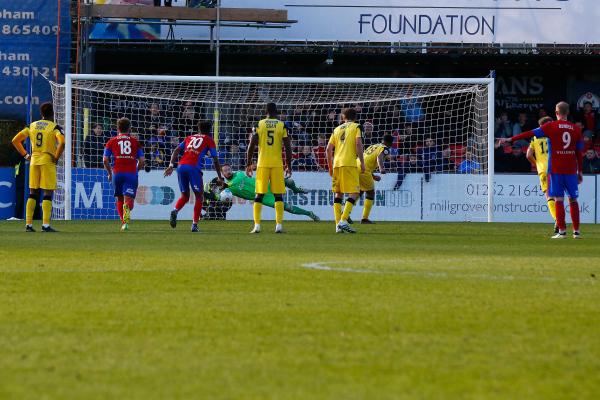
x: 367, y: 208
x: 337, y: 212
x: 552, y: 208
x: 278, y: 212
x: 257, y: 209
x: 29, y: 210
x: 347, y: 209
x: 46, y: 211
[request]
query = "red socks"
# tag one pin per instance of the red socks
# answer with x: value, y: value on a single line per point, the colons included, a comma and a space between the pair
x: 197, y: 207
x: 574, y: 209
x: 120, y: 207
x: 185, y: 197
x: 129, y: 202
x: 560, y: 215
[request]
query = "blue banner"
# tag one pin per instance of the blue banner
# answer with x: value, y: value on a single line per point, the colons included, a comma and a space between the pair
x: 7, y: 193
x: 92, y: 195
x: 28, y: 33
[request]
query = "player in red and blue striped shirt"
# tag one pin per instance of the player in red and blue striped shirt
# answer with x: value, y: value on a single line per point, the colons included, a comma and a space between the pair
x: 128, y: 159
x: 565, y: 165
x: 189, y: 172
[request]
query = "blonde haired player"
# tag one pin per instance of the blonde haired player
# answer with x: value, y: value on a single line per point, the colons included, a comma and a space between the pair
x: 47, y: 145
x: 374, y: 157
x: 537, y: 154
x: 344, y: 147
x: 270, y: 135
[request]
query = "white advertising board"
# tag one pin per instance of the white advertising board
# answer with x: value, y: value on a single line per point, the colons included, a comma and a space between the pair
x: 518, y: 198
x: 442, y: 21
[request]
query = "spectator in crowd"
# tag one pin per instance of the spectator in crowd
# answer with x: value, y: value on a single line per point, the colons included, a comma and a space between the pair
x: 306, y: 160
x: 186, y: 121
x: 411, y: 166
x: 429, y: 157
x: 320, y: 154
x: 368, y: 138
x: 503, y: 126
x: 591, y: 162
x: 589, y: 118
x: 161, y: 139
x: 156, y: 157
x: 522, y: 124
x: 235, y: 157
x: 542, y: 113
x: 468, y: 165
x: 445, y: 163
x: 93, y: 147
x: 332, y: 121
x: 588, y: 140
x: 517, y: 160
x: 410, y: 108
x: 154, y: 118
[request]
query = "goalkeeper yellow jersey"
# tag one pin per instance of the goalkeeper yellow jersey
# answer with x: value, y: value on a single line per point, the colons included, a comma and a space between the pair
x: 270, y: 133
x: 540, y: 150
x: 44, y: 136
x: 344, y: 140
x: 371, y: 155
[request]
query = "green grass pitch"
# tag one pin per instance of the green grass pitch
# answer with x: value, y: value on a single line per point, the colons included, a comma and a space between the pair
x: 398, y: 311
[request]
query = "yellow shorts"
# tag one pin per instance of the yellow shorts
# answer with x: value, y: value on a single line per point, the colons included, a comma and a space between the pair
x: 264, y: 175
x: 42, y: 176
x: 366, y: 181
x: 345, y: 180
x: 544, y: 181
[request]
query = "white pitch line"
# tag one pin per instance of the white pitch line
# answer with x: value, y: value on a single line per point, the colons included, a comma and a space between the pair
x: 326, y: 266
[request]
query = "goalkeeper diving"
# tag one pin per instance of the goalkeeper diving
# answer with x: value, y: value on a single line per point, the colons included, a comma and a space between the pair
x: 242, y: 186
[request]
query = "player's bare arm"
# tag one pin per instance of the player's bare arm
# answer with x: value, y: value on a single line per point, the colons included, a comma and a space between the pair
x: 106, y: 162
x: 17, y: 143
x: 359, y: 152
x: 287, y: 144
x: 60, y: 148
x: 250, y: 153
x: 329, y: 150
x: 219, y: 170
x: 530, y: 155
x: 380, y: 165
x: 141, y: 163
x: 171, y: 166
x: 579, y: 155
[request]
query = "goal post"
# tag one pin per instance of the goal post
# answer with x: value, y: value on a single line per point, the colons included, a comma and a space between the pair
x: 446, y: 181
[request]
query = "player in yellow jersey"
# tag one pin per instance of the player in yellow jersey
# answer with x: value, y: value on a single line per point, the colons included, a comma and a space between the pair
x: 344, y: 148
x: 374, y: 157
x: 269, y: 135
x: 47, y: 145
x: 537, y: 154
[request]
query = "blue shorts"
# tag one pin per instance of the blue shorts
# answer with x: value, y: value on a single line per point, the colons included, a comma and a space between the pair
x: 125, y: 184
x: 189, y: 175
x: 559, y: 183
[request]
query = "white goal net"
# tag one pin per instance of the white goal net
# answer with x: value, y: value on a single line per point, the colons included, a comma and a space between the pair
x: 439, y: 166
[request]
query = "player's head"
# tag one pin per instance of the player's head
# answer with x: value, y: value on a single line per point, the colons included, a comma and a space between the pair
x: 227, y: 171
x: 388, y: 140
x: 47, y: 111
x: 349, y: 114
x: 123, y: 125
x: 272, y: 110
x: 562, y: 109
x: 544, y: 120
x: 204, y: 127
